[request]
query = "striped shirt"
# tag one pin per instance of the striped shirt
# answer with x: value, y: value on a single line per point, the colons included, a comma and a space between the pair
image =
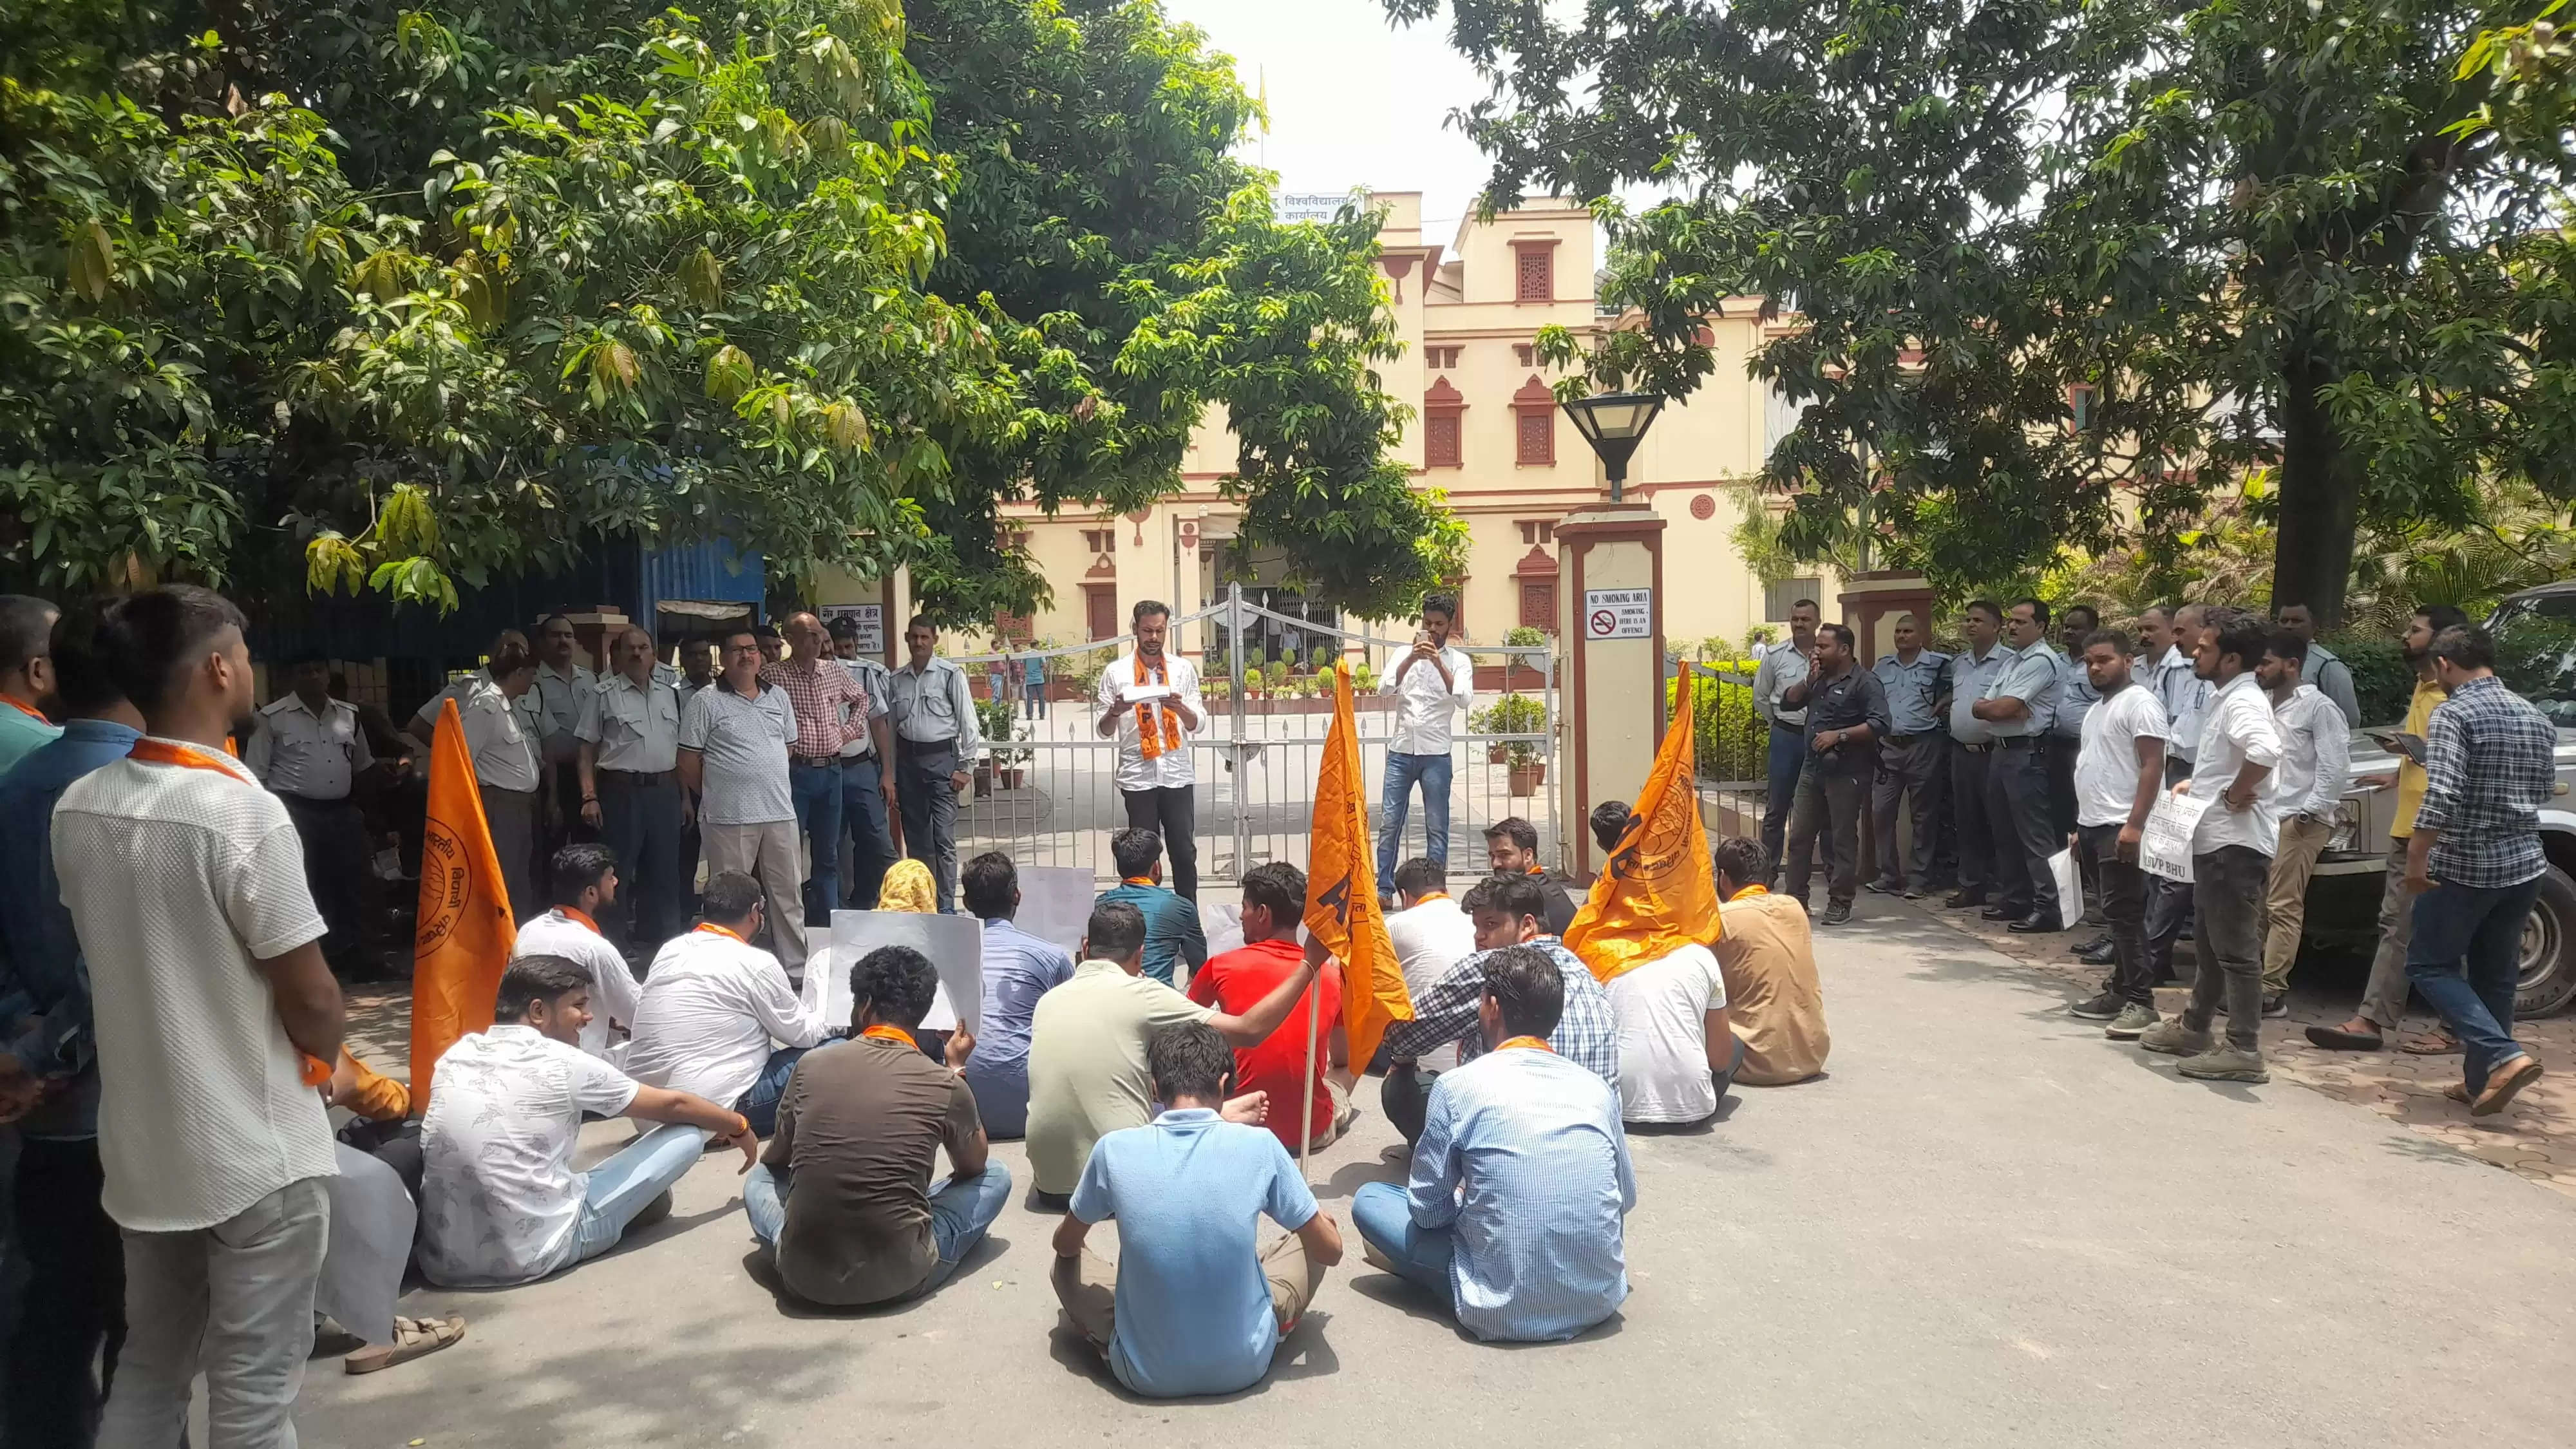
x: 1587, y: 1034
x: 2490, y: 763
x: 1523, y: 1160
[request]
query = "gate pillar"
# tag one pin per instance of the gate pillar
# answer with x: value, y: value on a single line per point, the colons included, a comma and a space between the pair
x: 1610, y: 625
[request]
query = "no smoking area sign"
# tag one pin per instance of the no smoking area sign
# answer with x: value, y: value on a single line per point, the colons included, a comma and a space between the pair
x: 1618, y: 613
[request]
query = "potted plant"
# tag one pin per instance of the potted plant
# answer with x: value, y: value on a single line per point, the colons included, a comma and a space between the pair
x: 1518, y: 714
x: 1252, y: 687
x: 994, y: 715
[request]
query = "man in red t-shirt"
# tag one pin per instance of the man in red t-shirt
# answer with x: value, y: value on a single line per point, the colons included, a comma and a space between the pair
x: 1274, y: 900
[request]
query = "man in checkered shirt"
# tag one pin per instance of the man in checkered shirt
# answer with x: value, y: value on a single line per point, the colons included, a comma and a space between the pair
x: 1507, y: 910
x: 2490, y: 763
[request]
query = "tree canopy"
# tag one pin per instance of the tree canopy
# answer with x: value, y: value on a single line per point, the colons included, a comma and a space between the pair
x: 2067, y: 267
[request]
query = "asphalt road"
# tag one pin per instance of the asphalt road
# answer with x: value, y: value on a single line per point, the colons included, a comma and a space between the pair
x: 1987, y: 1225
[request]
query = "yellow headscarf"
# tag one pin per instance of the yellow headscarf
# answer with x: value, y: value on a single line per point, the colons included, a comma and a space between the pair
x: 908, y: 888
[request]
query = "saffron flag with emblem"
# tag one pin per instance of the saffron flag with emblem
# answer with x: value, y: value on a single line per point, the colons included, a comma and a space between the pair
x: 1657, y: 892
x: 466, y: 930
x: 1342, y: 907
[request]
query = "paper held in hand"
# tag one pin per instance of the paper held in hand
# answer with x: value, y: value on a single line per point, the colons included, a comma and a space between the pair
x: 1139, y: 693
x: 2165, y: 849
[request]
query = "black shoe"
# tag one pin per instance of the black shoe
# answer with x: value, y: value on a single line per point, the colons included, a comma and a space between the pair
x: 1999, y: 913
x: 1961, y: 900
x: 2034, y: 925
x: 1885, y: 887
x: 2098, y: 943
x: 2101, y: 1008
x: 1836, y: 914
x: 2102, y: 957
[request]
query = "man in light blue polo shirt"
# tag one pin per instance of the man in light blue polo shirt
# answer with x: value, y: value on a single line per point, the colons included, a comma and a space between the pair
x: 1973, y: 743
x: 1195, y: 1308
x: 1913, y: 761
x: 2018, y: 709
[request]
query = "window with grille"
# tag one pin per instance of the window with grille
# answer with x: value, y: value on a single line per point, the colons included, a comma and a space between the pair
x: 1525, y: 354
x: 1534, y: 275
x: 1538, y: 604
x: 1440, y: 441
x: 1536, y: 430
x: 1778, y: 598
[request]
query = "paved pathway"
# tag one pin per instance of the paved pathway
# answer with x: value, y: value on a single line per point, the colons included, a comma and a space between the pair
x: 1987, y: 1225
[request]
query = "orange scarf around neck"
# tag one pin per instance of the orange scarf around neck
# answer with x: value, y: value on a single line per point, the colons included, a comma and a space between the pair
x: 882, y: 1032
x: 1153, y: 741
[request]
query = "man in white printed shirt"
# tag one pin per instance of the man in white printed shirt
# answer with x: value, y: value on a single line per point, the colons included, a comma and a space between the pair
x: 2316, y: 758
x: 584, y: 887
x: 1432, y: 686
x: 1149, y: 703
x: 718, y: 1017
x: 2231, y: 854
x: 185, y: 882
x: 308, y: 748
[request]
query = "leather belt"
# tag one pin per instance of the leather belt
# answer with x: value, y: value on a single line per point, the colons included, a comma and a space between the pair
x: 1974, y: 747
x: 638, y: 777
x: 817, y: 762
x: 2017, y: 742
x: 925, y: 747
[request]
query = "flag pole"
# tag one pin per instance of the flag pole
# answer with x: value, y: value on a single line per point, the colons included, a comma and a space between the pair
x: 1306, y: 1114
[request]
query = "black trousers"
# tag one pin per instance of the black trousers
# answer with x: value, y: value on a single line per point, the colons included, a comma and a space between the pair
x: 334, y: 836
x: 2124, y: 904
x: 926, y: 791
x: 2024, y: 828
x: 1969, y: 767
x: 1831, y: 795
x: 1172, y: 812
x: 639, y: 822
x: 63, y: 1354
x: 1917, y: 770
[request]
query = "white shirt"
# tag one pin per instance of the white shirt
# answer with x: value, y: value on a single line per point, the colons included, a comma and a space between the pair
x: 298, y: 753
x: 1783, y: 664
x: 711, y: 1006
x: 1174, y: 767
x: 505, y: 754
x: 561, y: 697
x: 2237, y: 726
x: 1663, y: 1009
x: 1427, y: 711
x: 742, y: 744
x: 2106, y: 764
x: 635, y: 729
x: 1429, y: 939
x: 499, y: 1201
x: 180, y: 880
x: 614, y: 990
x: 2316, y: 755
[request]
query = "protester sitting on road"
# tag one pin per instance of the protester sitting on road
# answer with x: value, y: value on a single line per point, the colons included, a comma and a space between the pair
x: 1274, y: 901
x: 1431, y: 933
x: 1511, y: 848
x: 1768, y: 957
x: 1194, y: 1305
x: 1520, y: 1178
x: 1677, y: 1056
x: 500, y: 1202
x: 1018, y: 969
x: 718, y: 1016
x: 585, y: 883
x: 1087, y: 1070
x: 1172, y: 929
x: 843, y: 1196
x: 1507, y: 911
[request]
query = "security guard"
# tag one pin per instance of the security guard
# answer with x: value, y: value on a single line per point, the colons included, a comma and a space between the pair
x: 867, y: 775
x: 562, y: 689
x: 2019, y: 708
x: 937, y: 742
x: 630, y: 788
x: 308, y: 749
x: 1913, y: 761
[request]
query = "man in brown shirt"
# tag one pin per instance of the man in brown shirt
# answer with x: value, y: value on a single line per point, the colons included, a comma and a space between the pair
x: 1769, y: 960
x: 843, y: 1195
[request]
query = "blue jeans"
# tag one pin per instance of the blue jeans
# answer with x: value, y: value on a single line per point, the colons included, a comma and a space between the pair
x: 863, y: 817
x: 816, y: 790
x: 962, y: 1210
x: 759, y: 1105
x: 1395, y: 800
x: 1383, y: 1213
x: 1037, y: 700
x: 2465, y: 957
x: 616, y: 1190
x: 1788, y: 760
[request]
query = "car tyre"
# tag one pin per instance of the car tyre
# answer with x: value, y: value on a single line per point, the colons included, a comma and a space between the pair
x: 2547, y: 981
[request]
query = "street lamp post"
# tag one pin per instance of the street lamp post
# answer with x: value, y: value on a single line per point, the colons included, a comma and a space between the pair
x: 1614, y: 423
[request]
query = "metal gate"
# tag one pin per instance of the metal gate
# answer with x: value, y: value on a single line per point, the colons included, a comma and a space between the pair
x: 1054, y: 797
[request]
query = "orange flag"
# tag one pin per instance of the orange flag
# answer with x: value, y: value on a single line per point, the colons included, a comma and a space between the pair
x: 466, y: 929
x: 1657, y: 893
x: 1342, y: 907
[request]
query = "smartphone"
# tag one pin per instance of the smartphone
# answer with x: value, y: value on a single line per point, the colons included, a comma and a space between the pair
x: 2411, y: 746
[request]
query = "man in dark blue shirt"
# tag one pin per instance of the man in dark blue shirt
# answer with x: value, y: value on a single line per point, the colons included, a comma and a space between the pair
x: 75, y: 1294
x: 1172, y: 929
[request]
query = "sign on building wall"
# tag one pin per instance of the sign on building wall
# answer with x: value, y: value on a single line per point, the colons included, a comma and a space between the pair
x: 1618, y: 613
x: 870, y: 619
x: 1312, y: 205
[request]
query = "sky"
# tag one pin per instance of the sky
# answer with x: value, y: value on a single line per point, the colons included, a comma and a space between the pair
x: 1353, y: 100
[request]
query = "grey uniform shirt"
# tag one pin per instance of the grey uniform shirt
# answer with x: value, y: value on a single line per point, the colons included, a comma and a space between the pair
x: 934, y: 705
x: 2333, y: 679
x: 1782, y: 665
x: 2184, y: 694
x: 872, y: 677
x: 2076, y: 697
x: 1912, y: 689
x: 2032, y: 678
x: 295, y: 752
x: 1970, y: 676
x: 743, y: 742
x: 560, y: 701
x: 636, y: 730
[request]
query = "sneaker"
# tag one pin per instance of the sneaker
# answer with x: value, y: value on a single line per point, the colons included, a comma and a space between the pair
x: 1915, y: 893
x: 2174, y: 1039
x: 1884, y: 887
x: 2099, y: 1008
x: 2225, y: 1064
x: 2131, y: 1023
x: 1836, y: 914
x: 2277, y: 1005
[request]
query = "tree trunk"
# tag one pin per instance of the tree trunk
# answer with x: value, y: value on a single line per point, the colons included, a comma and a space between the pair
x: 2320, y: 496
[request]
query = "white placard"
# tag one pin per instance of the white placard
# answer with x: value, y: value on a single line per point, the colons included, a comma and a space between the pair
x: 954, y: 944
x: 1618, y: 613
x: 2070, y: 884
x: 2165, y: 849
x: 1055, y: 904
x: 870, y: 619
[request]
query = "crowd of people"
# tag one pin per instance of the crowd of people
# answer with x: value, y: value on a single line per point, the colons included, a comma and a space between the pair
x: 175, y: 1042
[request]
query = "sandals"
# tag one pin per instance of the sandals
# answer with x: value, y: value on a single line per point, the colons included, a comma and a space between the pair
x: 413, y: 1338
x: 2429, y: 1044
x: 2344, y: 1039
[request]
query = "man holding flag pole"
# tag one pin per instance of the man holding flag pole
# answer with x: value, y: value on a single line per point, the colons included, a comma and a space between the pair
x: 1343, y: 909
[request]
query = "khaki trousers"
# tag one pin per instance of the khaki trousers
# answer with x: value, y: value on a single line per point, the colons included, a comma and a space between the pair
x: 2285, y: 906
x: 769, y: 851
x: 1088, y: 1288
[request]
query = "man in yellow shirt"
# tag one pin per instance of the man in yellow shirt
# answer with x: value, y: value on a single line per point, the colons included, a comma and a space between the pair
x: 2383, y: 1003
x: 1767, y: 955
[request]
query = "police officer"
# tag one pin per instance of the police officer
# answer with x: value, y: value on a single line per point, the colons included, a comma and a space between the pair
x: 1974, y: 740
x: 937, y: 742
x: 867, y: 785
x: 1913, y: 763
x: 2018, y: 708
x: 629, y: 734
x: 562, y: 690
x: 308, y: 749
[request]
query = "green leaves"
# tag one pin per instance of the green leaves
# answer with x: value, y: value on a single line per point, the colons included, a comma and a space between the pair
x: 92, y: 261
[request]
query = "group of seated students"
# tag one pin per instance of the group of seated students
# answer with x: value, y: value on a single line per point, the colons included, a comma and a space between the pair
x: 1173, y: 1113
